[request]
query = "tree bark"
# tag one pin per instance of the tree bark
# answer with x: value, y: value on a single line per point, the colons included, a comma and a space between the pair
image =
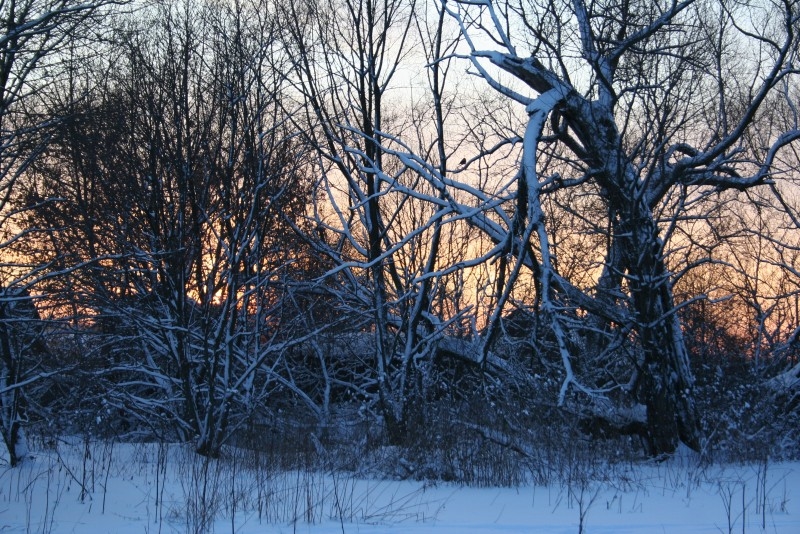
x: 665, y: 381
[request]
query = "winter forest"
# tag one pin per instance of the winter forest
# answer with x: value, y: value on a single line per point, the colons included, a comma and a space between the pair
x: 450, y: 240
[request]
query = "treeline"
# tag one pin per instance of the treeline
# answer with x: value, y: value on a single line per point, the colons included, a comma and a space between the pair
x: 225, y: 220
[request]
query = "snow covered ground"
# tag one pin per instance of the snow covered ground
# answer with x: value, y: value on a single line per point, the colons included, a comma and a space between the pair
x: 98, y: 487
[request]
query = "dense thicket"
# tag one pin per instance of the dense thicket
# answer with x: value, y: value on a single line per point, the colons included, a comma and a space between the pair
x: 241, y: 219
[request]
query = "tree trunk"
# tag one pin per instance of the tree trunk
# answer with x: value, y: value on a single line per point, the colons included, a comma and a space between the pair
x: 665, y: 380
x: 15, y: 315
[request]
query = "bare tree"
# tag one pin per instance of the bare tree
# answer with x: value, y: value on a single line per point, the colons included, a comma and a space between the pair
x: 175, y: 184
x: 645, y: 104
x: 386, y: 228
x: 35, y: 34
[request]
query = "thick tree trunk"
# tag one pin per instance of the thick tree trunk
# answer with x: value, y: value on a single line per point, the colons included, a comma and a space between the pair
x: 666, y: 393
x: 665, y: 381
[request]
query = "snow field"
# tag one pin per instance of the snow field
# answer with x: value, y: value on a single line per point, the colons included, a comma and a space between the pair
x: 95, y: 487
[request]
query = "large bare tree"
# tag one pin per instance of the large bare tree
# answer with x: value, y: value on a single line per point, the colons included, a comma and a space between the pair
x: 648, y: 107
